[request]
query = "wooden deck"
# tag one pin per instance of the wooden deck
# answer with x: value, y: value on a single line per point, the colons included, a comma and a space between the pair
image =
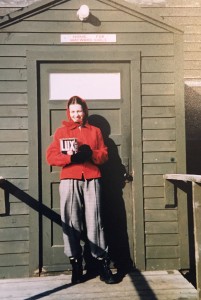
x: 156, y: 285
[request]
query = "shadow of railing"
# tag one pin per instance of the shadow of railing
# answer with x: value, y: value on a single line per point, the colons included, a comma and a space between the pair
x: 48, y: 292
x: 142, y: 287
x: 10, y: 188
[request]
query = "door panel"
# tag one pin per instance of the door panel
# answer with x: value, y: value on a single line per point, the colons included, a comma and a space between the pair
x: 113, y: 118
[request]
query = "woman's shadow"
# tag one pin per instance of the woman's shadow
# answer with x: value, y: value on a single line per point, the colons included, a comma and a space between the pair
x: 113, y: 209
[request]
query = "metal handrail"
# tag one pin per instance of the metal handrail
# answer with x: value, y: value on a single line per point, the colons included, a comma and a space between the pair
x: 169, y: 190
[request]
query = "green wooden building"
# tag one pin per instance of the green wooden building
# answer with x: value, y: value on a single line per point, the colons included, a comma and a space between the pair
x: 129, y: 68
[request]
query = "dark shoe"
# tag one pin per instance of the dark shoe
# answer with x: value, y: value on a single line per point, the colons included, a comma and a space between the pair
x: 77, y: 270
x: 105, y: 272
x: 90, y: 274
x: 92, y: 268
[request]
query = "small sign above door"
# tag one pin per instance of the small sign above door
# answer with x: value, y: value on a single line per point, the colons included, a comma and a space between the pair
x: 88, y: 38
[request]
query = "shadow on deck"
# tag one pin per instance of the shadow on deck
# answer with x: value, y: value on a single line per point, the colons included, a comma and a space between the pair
x: 148, y: 285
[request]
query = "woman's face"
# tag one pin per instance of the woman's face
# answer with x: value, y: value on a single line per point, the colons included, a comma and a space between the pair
x: 76, y: 112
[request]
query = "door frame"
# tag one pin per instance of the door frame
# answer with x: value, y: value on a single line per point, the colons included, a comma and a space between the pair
x: 34, y: 60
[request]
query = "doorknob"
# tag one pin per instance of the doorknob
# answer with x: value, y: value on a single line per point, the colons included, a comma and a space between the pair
x: 128, y: 177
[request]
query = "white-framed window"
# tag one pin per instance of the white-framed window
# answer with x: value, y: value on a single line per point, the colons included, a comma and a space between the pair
x: 86, y: 85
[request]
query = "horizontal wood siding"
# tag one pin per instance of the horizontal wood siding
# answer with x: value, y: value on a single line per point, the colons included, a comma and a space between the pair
x: 159, y: 157
x: 42, y: 33
x: 188, y: 15
x: 14, y: 229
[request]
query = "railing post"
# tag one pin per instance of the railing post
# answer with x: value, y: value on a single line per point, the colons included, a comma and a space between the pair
x: 169, y: 193
x: 196, y: 193
x: 197, y: 232
x: 2, y: 199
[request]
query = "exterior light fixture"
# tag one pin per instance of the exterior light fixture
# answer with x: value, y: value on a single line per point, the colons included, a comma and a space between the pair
x: 83, y: 12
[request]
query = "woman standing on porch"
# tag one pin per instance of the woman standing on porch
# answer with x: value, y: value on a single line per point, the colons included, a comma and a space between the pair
x: 79, y: 148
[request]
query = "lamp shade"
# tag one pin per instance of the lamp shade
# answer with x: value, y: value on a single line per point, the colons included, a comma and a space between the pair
x: 83, y: 12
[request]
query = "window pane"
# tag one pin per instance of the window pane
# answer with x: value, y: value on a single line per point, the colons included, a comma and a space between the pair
x: 86, y: 85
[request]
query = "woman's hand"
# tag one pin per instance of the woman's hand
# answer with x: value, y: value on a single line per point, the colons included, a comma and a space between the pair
x: 86, y: 150
x: 82, y: 155
x: 70, y: 152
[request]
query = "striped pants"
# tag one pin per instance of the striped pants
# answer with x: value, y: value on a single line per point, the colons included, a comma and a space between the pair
x: 80, y: 206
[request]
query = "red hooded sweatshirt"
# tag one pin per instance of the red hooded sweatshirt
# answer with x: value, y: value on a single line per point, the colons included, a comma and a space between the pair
x: 86, y: 134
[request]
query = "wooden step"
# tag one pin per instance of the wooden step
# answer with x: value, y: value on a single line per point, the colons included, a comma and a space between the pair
x: 148, y: 285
